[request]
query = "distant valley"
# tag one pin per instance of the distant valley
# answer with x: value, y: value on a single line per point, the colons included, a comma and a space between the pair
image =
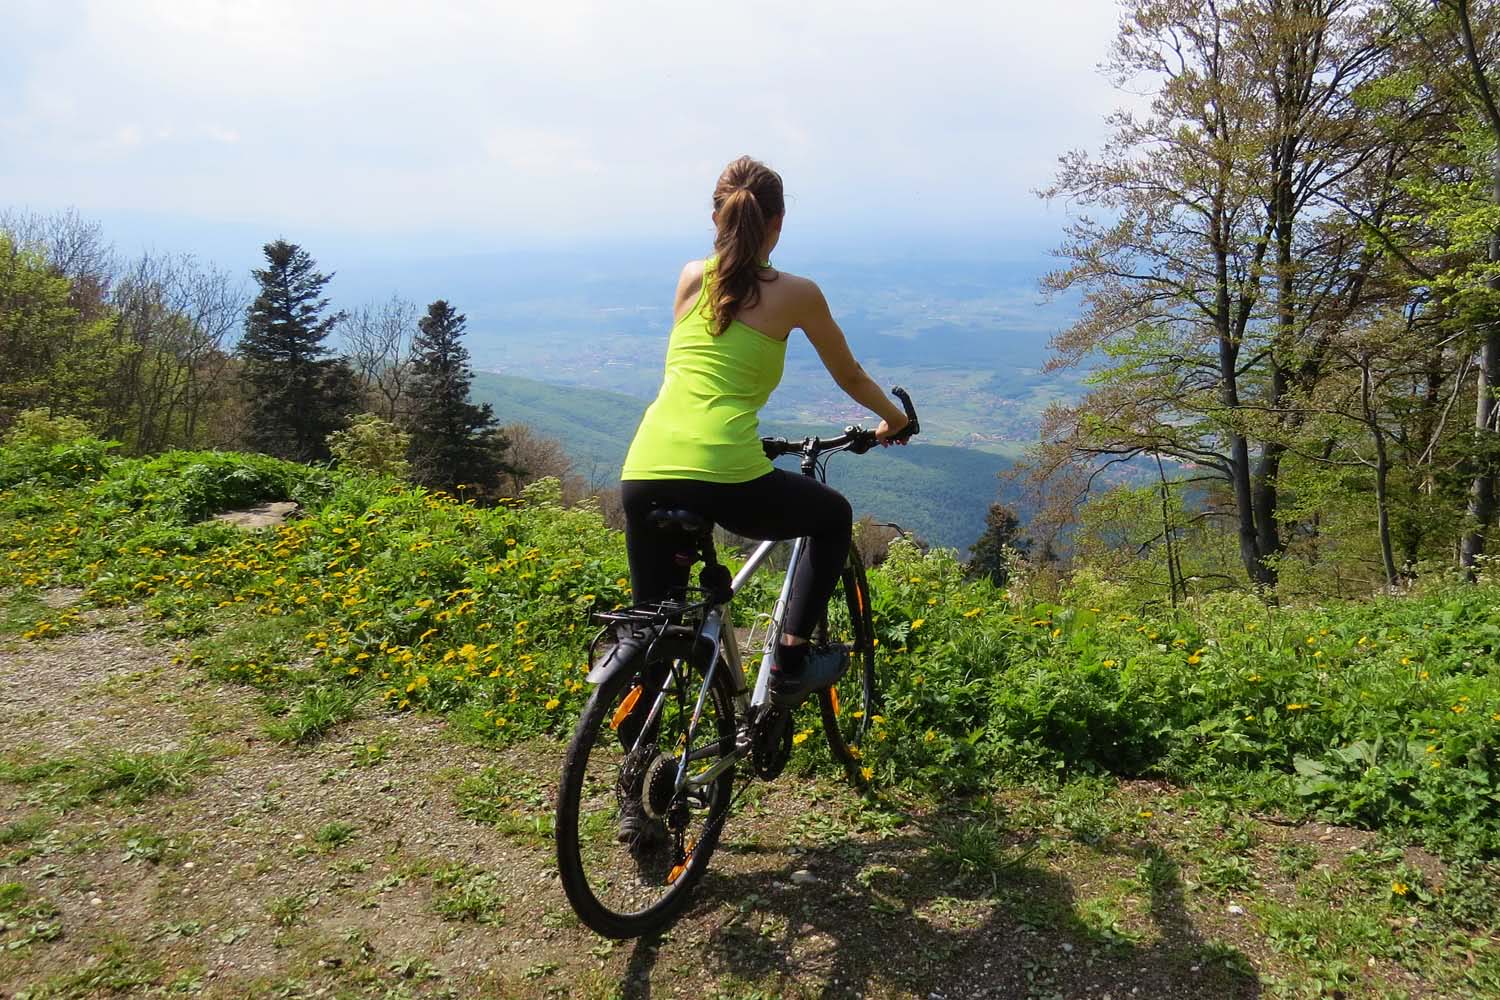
x: 573, y: 345
x: 939, y: 492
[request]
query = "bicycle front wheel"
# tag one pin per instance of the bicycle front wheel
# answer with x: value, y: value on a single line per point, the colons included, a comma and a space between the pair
x: 630, y: 845
x: 849, y: 705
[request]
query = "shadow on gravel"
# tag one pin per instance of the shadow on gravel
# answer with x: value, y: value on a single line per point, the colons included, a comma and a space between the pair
x: 850, y: 917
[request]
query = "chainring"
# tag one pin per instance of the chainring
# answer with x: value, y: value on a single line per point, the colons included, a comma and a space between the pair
x: 771, y: 742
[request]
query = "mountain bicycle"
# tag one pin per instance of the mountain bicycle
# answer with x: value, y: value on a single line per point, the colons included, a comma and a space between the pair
x: 672, y: 716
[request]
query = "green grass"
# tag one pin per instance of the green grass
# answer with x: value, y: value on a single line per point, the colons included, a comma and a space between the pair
x: 113, y: 775
x: 22, y: 830
x: 290, y: 909
x: 19, y: 610
x: 466, y: 894
x: 334, y: 835
x: 314, y: 715
x: 1379, y: 714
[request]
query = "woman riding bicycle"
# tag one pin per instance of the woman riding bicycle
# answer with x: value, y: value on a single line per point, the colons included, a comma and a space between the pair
x: 698, y: 446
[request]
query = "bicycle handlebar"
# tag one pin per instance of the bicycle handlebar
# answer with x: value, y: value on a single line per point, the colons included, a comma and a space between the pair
x: 855, y: 438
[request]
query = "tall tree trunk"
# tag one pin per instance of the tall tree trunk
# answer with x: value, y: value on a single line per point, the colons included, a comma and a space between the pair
x: 1486, y: 419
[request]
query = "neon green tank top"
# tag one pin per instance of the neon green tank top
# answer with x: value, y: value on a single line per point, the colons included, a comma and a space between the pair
x: 705, y: 422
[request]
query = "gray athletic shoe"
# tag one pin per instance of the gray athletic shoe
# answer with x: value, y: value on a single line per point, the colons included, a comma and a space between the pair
x: 821, y: 670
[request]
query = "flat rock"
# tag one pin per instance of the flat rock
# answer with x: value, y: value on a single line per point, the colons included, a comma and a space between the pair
x: 265, y: 515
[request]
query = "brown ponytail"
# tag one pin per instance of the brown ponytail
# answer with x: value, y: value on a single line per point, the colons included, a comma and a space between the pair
x: 746, y: 200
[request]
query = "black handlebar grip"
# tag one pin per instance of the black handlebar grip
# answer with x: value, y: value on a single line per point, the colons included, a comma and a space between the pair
x: 912, y: 427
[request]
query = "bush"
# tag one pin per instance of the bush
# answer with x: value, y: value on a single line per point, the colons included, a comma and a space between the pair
x: 40, y: 429
x: 183, y: 487
x: 373, y: 446
x: 43, y: 449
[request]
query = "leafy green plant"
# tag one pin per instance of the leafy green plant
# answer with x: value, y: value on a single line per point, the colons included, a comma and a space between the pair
x: 318, y: 710
x: 334, y: 835
x: 468, y: 895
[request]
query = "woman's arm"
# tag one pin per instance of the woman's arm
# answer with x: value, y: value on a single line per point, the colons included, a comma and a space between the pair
x: 816, y: 320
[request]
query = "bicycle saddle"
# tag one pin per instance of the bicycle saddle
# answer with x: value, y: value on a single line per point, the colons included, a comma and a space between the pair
x: 695, y: 525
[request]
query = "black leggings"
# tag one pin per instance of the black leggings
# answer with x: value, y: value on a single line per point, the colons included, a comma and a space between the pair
x: 778, y: 505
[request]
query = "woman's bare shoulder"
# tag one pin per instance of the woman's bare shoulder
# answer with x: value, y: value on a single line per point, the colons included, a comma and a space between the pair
x: 689, y: 283
x: 797, y: 291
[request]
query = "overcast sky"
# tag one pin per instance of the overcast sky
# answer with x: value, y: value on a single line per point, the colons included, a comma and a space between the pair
x: 496, y: 125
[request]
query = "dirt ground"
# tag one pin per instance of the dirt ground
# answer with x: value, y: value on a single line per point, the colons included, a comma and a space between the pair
x: 235, y: 886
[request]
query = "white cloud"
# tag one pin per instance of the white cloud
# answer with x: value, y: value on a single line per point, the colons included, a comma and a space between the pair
x: 567, y: 116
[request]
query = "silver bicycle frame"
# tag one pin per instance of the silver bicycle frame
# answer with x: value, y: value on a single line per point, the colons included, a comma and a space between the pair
x: 716, y: 623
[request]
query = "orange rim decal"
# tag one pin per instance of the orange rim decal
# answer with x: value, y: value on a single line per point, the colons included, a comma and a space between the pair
x: 859, y: 598
x: 625, y: 707
x: 833, y: 696
x: 676, y: 871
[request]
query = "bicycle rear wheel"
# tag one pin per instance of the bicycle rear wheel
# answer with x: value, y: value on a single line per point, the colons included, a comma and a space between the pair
x: 848, y: 706
x: 616, y: 765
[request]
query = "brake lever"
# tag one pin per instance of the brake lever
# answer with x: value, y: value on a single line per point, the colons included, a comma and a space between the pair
x: 859, y: 442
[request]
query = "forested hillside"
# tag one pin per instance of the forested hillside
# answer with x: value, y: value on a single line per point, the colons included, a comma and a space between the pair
x: 939, y: 493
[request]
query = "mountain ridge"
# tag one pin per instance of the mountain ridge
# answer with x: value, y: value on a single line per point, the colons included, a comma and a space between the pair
x: 939, y: 492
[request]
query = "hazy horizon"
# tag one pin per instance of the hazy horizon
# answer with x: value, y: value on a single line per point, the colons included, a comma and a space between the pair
x: 374, y: 131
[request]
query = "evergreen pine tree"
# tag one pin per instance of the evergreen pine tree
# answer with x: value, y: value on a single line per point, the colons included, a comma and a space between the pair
x: 453, y: 441
x: 1002, y: 528
x: 299, y: 394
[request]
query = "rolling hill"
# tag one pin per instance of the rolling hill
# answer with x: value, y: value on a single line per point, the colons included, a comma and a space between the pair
x: 941, y: 493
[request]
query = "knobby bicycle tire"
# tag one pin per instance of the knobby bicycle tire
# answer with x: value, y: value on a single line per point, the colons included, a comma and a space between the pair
x: 615, y: 890
x: 848, y: 707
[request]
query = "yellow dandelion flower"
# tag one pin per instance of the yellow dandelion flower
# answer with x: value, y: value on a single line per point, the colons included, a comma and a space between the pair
x: 867, y: 773
x: 1195, y: 658
x: 971, y: 612
x: 1295, y: 706
x: 1399, y: 888
x: 1109, y: 663
x: 801, y: 737
x: 918, y: 623
x: 551, y: 704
